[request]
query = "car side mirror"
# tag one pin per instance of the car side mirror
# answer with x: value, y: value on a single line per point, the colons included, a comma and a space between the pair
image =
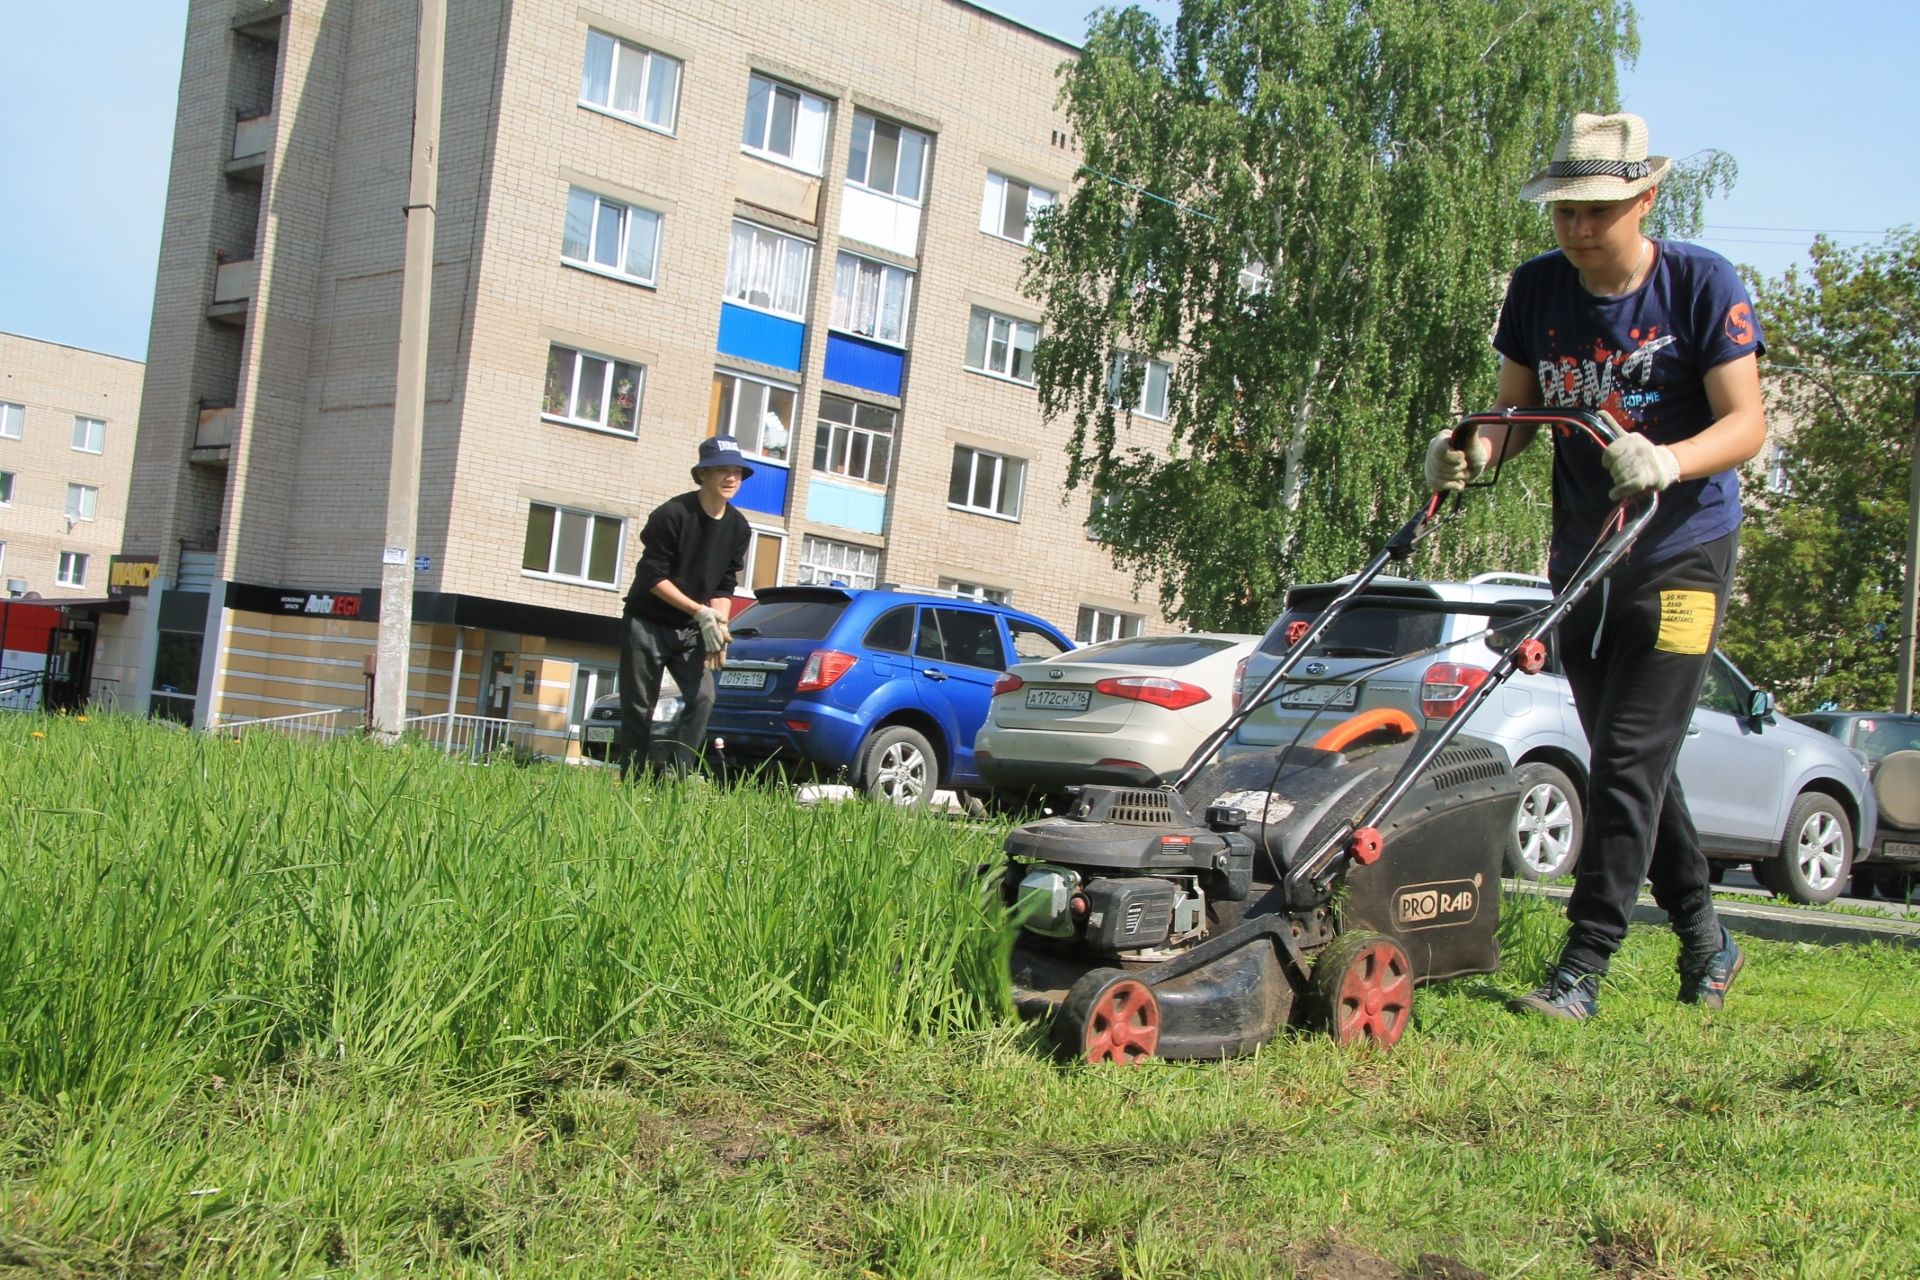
x: 1759, y: 709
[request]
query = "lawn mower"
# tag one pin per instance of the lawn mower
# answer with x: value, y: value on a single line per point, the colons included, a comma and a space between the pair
x: 1315, y: 886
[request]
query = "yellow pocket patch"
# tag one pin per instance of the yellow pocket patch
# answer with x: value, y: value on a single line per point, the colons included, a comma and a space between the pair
x: 1686, y: 621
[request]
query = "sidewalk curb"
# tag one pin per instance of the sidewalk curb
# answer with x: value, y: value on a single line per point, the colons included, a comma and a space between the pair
x: 1764, y: 920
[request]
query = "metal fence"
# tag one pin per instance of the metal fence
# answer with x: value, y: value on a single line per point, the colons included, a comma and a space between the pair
x: 476, y: 737
x: 309, y: 725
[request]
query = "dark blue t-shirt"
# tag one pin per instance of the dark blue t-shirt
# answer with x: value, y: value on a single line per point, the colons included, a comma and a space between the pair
x: 1643, y: 357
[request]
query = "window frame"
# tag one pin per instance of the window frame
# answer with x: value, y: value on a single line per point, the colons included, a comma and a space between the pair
x: 999, y: 206
x: 582, y: 704
x: 67, y: 561
x: 839, y: 318
x: 1087, y: 628
x: 1015, y: 324
x: 855, y: 149
x: 766, y: 386
x: 829, y: 434
x: 1116, y: 377
x: 785, y: 243
x: 749, y: 571
x: 89, y: 503
x: 997, y: 484
x: 975, y: 591
x: 620, y: 47
x: 553, y: 538
x: 15, y: 414
x: 828, y: 574
x: 92, y: 435
x: 627, y: 210
x: 801, y: 98
x: 9, y: 480
x: 613, y: 364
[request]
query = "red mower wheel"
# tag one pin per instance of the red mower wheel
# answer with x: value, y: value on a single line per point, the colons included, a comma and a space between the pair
x: 1362, y: 989
x: 1108, y: 1016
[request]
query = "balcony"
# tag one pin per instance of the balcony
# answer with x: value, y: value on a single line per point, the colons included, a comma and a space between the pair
x: 233, y: 291
x: 260, y: 19
x: 252, y: 139
x: 213, y: 435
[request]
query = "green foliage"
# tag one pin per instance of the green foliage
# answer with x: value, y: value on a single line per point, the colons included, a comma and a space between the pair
x: 1370, y: 156
x: 1823, y: 563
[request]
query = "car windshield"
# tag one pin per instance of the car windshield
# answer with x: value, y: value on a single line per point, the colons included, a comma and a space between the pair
x: 1363, y: 631
x: 788, y: 619
x: 1151, y: 651
x: 1877, y: 738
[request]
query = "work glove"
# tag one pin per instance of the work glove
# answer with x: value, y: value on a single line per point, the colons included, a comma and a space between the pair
x: 716, y: 659
x: 1451, y: 468
x: 1638, y: 465
x: 713, y: 629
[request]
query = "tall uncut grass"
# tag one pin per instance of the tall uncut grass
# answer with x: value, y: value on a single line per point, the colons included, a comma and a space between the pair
x: 174, y: 904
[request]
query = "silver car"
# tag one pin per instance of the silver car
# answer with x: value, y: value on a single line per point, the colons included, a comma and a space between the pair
x: 1762, y: 789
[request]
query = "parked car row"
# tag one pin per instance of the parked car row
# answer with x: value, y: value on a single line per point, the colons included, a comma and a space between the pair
x: 902, y: 692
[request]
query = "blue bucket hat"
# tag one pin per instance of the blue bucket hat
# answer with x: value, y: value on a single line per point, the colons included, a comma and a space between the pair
x: 722, y: 451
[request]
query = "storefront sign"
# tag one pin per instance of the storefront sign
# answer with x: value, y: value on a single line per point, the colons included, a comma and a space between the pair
x: 132, y: 574
x: 287, y: 600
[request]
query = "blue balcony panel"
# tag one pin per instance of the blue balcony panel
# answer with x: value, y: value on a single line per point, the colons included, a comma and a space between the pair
x: 746, y: 334
x: 847, y: 506
x: 871, y: 366
x: 765, y: 490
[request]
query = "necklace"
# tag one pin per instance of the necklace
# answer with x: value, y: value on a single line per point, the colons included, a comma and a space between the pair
x: 1646, y: 245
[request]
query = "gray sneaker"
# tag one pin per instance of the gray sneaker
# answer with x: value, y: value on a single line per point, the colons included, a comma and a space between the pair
x: 1704, y: 978
x: 1570, y: 995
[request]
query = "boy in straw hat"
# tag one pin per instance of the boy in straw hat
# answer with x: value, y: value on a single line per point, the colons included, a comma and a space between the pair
x: 693, y: 550
x: 1662, y: 337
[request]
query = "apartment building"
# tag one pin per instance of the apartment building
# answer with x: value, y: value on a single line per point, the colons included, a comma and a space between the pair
x: 67, y: 420
x: 656, y: 219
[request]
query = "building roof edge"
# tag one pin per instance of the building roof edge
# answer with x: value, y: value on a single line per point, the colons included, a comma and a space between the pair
x: 1010, y: 20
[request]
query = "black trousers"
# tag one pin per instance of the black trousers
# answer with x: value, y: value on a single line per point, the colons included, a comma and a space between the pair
x: 647, y: 649
x: 1636, y: 649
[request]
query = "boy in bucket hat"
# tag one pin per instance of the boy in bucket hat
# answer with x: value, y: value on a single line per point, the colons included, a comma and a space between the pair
x: 693, y: 549
x: 1662, y: 337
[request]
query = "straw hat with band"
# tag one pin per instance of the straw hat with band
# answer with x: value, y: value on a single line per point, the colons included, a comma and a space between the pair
x: 1599, y: 158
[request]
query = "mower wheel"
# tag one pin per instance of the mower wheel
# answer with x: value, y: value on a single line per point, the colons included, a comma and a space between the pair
x: 1108, y: 1016
x: 1362, y: 989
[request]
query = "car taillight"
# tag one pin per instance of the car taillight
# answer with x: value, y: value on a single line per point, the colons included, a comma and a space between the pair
x: 1158, y: 690
x: 1446, y: 685
x: 1007, y: 684
x: 1239, y: 682
x: 824, y: 666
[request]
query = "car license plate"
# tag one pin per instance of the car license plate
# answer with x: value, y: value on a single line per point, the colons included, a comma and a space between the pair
x: 599, y: 733
x: 1320, y: 695
x: 1902, y: 849
x: 1059, y: 699
x: 743, y: 679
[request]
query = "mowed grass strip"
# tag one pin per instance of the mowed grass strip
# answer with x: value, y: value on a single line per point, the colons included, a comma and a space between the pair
x: 275, y: 1009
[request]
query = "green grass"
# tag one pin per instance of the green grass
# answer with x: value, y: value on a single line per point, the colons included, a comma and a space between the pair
x: 270, y: 1009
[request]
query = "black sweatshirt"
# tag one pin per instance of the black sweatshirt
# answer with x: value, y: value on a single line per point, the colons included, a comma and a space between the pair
x: 698, y: 554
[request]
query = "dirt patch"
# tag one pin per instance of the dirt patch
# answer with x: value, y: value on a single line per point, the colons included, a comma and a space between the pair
x: 1335, y: 1259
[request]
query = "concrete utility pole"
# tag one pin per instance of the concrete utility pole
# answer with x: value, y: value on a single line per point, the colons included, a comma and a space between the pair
x: 410, y: 384
x: 1903, y: 699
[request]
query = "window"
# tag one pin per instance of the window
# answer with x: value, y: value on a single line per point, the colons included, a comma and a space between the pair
x: 1030, y: 643
x: 1779, y: 472
x: 1100, y: 514
x: 6, y: 488
x: 639, y: 84
x: 892, y: 631
x: 1008, y: 206
x: 765, y: 552
x: 1255, y: 280
x: 887, y: 157
x: 854, y: 440
x: 592, y: 391
x: 12, y: 418
x: 1001, y: 345
x: 1096, y: 625
x: 72, y: 570
x: 768, y: 270
x: 962, y: 636
x: 578, y: 546
x: 824, y: 560
x: 784, y: 124
x: 590, y: 683
x: 81, y: 501
x: 1149, y: 398
x: 609, y: 236
x: 870, y: 298
x: 974, y: 591
x: 757, y: 414
x: 89, y: 435
x: 986, y: 482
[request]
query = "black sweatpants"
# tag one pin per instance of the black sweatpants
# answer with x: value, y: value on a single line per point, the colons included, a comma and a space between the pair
x: 1636, y: 649
x: 648, y: 648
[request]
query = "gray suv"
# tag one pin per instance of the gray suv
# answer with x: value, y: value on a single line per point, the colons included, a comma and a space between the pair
x: 1762, y: 789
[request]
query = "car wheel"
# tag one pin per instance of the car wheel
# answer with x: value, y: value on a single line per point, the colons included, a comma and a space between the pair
x: 1816, y: 853
x: 899, y: 767
x: 1544, y: 839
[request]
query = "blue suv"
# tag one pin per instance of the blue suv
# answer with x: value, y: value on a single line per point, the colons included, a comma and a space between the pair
x: 885, y: 686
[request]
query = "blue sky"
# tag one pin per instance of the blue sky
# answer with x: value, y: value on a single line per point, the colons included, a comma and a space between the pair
x: 1814, y: 102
